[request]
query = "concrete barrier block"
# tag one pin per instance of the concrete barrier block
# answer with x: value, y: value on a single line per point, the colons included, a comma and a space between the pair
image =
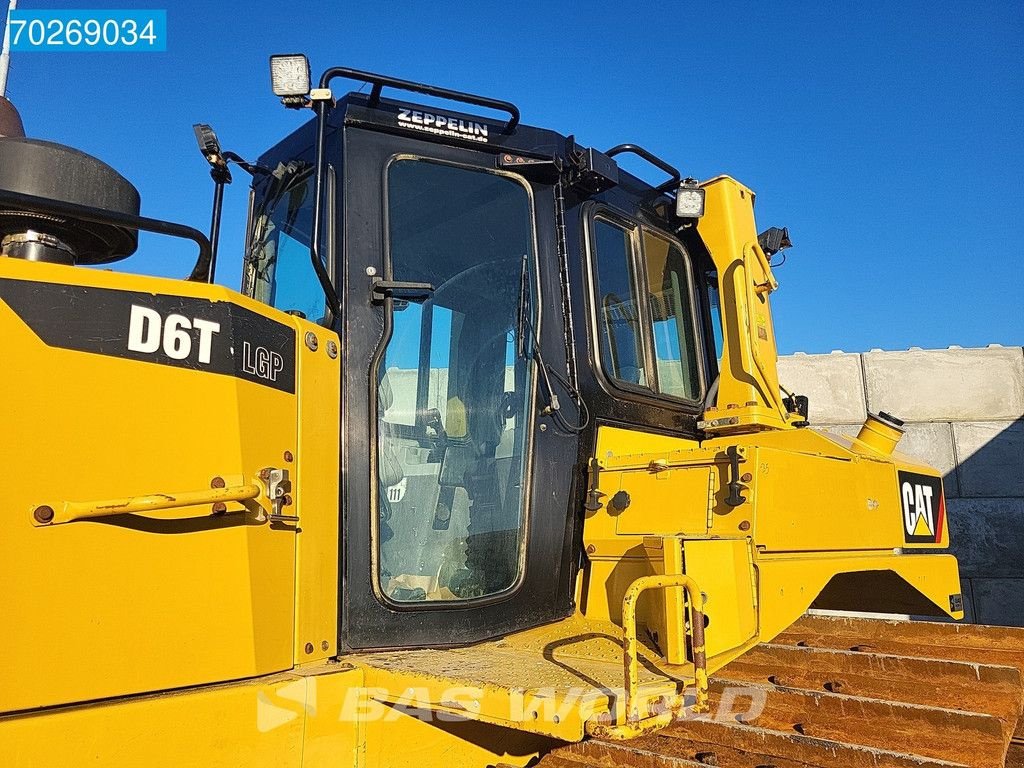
x: 987, y: 536
x: 947, y: 384
x: 991, y: 456
x: 833, y: 383
x: 932, y: 444
x: 999, y: 601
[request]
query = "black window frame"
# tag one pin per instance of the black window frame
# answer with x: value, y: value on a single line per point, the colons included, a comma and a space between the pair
x: 641, y: 285
x: 331, y: 221
x: 529, y: 449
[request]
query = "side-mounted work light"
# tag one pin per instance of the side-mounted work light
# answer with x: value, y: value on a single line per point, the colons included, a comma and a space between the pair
x: 290, y: 79
x: 209, y: 145
x: 689, y: 200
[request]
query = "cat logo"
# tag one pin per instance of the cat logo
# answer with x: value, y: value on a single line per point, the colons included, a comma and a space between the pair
x: 924, y: 509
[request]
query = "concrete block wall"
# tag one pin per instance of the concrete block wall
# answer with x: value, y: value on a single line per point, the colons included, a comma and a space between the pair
x: 964, y: 410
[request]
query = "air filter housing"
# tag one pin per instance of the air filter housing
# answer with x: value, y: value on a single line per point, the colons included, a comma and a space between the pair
x: 56, y: 172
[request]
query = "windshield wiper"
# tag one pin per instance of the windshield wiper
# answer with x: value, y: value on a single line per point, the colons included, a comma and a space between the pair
x: 553, y: 407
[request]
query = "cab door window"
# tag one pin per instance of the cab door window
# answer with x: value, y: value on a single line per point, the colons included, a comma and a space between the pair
x: 455, y: 385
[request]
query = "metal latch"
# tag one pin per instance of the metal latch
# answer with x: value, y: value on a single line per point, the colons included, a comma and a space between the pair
x: 279, y: 488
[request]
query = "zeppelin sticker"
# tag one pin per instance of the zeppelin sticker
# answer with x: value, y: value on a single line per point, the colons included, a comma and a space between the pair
x: 442, y: 125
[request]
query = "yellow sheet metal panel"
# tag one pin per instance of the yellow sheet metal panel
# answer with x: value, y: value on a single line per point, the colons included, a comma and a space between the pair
x: 667, y: 502
x: 724, y: 570
x: 748, y: 389
x: 616, y: 441
x: 549, y: 680
x: 404, y: 738
x: 317, y: 497
x: 252, y: 724
x: 144, y: 602
x: 810, y: 492
x: 789, y: 584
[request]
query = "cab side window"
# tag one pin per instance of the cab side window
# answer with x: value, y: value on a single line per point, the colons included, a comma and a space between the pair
x: 617, y: 311
x: 645, y: 320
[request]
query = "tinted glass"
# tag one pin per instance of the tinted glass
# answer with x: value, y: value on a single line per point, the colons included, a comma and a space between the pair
x: 278, y: 267
x: 672, y: 321
x: 618, y: 318
x: 454, y: 390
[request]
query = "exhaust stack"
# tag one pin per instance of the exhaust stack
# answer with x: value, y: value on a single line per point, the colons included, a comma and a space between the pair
x: 881, y: 433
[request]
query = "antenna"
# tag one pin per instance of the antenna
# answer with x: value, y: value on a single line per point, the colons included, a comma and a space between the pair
x: 5, y: 53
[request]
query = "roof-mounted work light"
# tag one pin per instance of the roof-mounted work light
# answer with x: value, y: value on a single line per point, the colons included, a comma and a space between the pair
x: 689, y: 200
x: 290, y: 78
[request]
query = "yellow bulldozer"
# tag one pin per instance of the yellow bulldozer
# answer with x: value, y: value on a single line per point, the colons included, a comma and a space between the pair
x: 486, y: 463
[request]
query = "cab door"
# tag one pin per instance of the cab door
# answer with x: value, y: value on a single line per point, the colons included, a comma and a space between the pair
x: 456, y: 525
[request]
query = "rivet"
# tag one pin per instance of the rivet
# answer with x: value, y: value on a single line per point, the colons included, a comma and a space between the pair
x: 591, y: 549
x: 543, y: 427
x: 217, y: 482
x: 746, y: 477
x: 332, y: 349
x: 288, y: 456
x: 324, y: 645
x: 43, y: 514
x: 311, y: 341
x: 265, y: 474
x: 219, y: 508
x: 309, y: 647
x: 745, y: 525
x: 371, y: 271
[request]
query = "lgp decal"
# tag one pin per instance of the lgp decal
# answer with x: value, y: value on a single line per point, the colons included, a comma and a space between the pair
x: 211, y: 336
x: 924, y: 509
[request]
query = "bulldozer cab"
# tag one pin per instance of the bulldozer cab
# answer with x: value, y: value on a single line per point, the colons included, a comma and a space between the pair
x: 456, y: 246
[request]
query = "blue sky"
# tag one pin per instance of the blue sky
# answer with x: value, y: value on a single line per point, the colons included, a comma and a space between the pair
x: 886, y: 136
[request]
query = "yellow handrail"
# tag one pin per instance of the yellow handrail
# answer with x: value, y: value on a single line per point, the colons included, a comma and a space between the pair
x: 636, y: 724
x: 69, y: 511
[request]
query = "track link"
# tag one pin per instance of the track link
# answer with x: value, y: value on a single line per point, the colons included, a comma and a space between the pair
x: 852, y: 692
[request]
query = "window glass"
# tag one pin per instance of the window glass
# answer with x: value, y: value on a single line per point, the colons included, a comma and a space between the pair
x: 455, y: 385
x: 669, y: 293
x: 278, y: 267
x: 650, y: 344
x: 715, y: 305
x: 618, y: 317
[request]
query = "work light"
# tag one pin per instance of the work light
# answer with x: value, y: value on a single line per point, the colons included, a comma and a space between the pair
x: 207, y: 140
x: 289, y: 77
x: 690, y: 200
